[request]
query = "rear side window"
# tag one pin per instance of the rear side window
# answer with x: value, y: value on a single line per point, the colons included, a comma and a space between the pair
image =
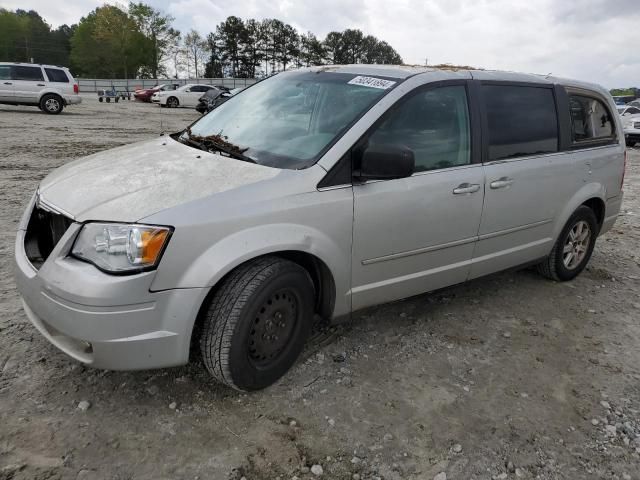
x: 522, y: 121
x: 5, y: 72
x: 56, y: 75
x: 590, y: 119
x: 27, y: 73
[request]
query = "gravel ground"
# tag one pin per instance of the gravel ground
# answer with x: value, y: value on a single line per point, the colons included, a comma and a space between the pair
x: 510, y: 376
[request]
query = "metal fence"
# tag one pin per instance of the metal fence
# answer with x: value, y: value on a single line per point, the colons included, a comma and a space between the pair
x: 95, y: 84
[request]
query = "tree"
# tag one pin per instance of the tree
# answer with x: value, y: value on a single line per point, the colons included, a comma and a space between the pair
x: 312, y: 51
x: 25, y: 36
x: 215, y: 66
x: 230, y: 36
x: 333, y: 47
x: 196, y: 48
x: 252, y: 51
x: 160, y: 35
x: 107, y: 43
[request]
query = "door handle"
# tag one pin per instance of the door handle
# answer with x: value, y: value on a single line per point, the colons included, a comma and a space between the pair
x: 503, y: 182
x: 8, y: 83
x: 41, y: 84
x: 464, y: 188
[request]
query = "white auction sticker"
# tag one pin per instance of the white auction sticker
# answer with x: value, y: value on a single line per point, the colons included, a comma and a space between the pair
x: 372, y: 82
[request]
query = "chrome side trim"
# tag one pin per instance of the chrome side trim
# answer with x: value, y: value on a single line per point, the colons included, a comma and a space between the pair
x: 499, y: 233
x: 455, y: 243
x: 418, y: 251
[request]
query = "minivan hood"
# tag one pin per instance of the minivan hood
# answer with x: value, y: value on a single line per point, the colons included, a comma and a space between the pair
x: 132, y: 182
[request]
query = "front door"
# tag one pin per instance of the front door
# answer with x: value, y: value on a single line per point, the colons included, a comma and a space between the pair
x: 417, y: 234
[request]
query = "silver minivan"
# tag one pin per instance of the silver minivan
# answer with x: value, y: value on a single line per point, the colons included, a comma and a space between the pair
x: 310, y: 195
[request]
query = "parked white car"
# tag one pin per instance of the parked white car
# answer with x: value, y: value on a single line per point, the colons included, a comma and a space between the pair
x: 185, y: 96
x: 628, y: 110
x: 48, y: 87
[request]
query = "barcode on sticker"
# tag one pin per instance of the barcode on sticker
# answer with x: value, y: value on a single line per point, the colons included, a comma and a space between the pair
x: 372, y: 82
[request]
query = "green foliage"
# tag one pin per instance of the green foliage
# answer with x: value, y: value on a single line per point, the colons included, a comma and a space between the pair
x: 623, y: 92
x: 159, y: 36
x: 25, y: 36
x: 140, y: 41
x: 239, y: 48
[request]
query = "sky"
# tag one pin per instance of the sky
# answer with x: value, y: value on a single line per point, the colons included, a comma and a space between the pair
x: 592, y: 40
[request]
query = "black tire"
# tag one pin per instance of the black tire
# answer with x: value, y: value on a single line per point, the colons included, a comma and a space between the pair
x: 172, y: 102
x: 554, y: 266
x: 255, y: 303
x: 116, y: 99
x: 100, y: 99
x: 108, y: 100
x: 630, y: 143
x: 51, y: 103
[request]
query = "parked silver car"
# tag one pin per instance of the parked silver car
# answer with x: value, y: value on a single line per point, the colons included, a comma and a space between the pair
x: 309, y: 195
x: 48, y: 87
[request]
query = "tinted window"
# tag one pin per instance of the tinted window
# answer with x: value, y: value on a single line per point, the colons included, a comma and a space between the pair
x: 522, y: 121
x: 633, y: 111
x: 5, y: 72
x: 56, y: 75
x: 434, y: 124
x: 590, y: 119
x: 27, y: 73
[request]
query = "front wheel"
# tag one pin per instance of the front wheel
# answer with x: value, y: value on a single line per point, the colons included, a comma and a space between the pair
x: 630, y: 143
x: 257, y: 323
x: 172, y: 102
x: 574, y: 247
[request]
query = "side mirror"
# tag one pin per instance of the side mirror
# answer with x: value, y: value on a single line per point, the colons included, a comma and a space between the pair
x: 386, y: 162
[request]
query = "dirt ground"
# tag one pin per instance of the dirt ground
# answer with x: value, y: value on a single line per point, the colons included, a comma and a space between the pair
x: 511, y: 376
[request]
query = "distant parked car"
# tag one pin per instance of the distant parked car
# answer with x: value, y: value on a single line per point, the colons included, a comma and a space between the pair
x: 47, y: 87
x: 214, y: 98
x: 631, y: 124
x: 145, y: 94
x: 626, y: 110
x: 185, y: 96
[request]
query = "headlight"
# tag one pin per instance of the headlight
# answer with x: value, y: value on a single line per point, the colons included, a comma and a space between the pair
x: 121, y: 248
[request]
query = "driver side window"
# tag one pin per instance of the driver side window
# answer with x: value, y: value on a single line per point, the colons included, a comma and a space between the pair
x: 434, y: 124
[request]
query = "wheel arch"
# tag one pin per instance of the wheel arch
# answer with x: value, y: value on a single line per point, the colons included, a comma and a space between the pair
x: 592, y: 195
x: 321, y: 275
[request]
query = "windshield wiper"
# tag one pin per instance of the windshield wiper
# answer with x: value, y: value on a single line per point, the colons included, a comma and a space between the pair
x: 217, y: 143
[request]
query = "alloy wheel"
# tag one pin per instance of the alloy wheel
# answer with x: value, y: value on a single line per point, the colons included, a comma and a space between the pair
x: 576, y: 245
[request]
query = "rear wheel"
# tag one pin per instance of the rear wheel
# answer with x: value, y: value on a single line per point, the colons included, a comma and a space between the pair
x: 574, y: 247
x: 51, y: 104
x: 630, y: 143
x: 172, y: 102
x: 257, y: 323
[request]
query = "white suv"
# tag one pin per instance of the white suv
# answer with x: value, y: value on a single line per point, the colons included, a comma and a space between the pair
x: 48, y: 87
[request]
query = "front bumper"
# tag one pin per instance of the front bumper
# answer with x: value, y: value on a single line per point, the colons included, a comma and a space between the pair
x: 106, y: 321
x: 632, y: 134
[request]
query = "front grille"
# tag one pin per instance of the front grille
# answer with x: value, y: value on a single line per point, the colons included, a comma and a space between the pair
x: 44, y: 231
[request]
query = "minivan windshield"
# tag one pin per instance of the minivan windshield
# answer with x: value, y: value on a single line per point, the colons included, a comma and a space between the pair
x: 290, y: 119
